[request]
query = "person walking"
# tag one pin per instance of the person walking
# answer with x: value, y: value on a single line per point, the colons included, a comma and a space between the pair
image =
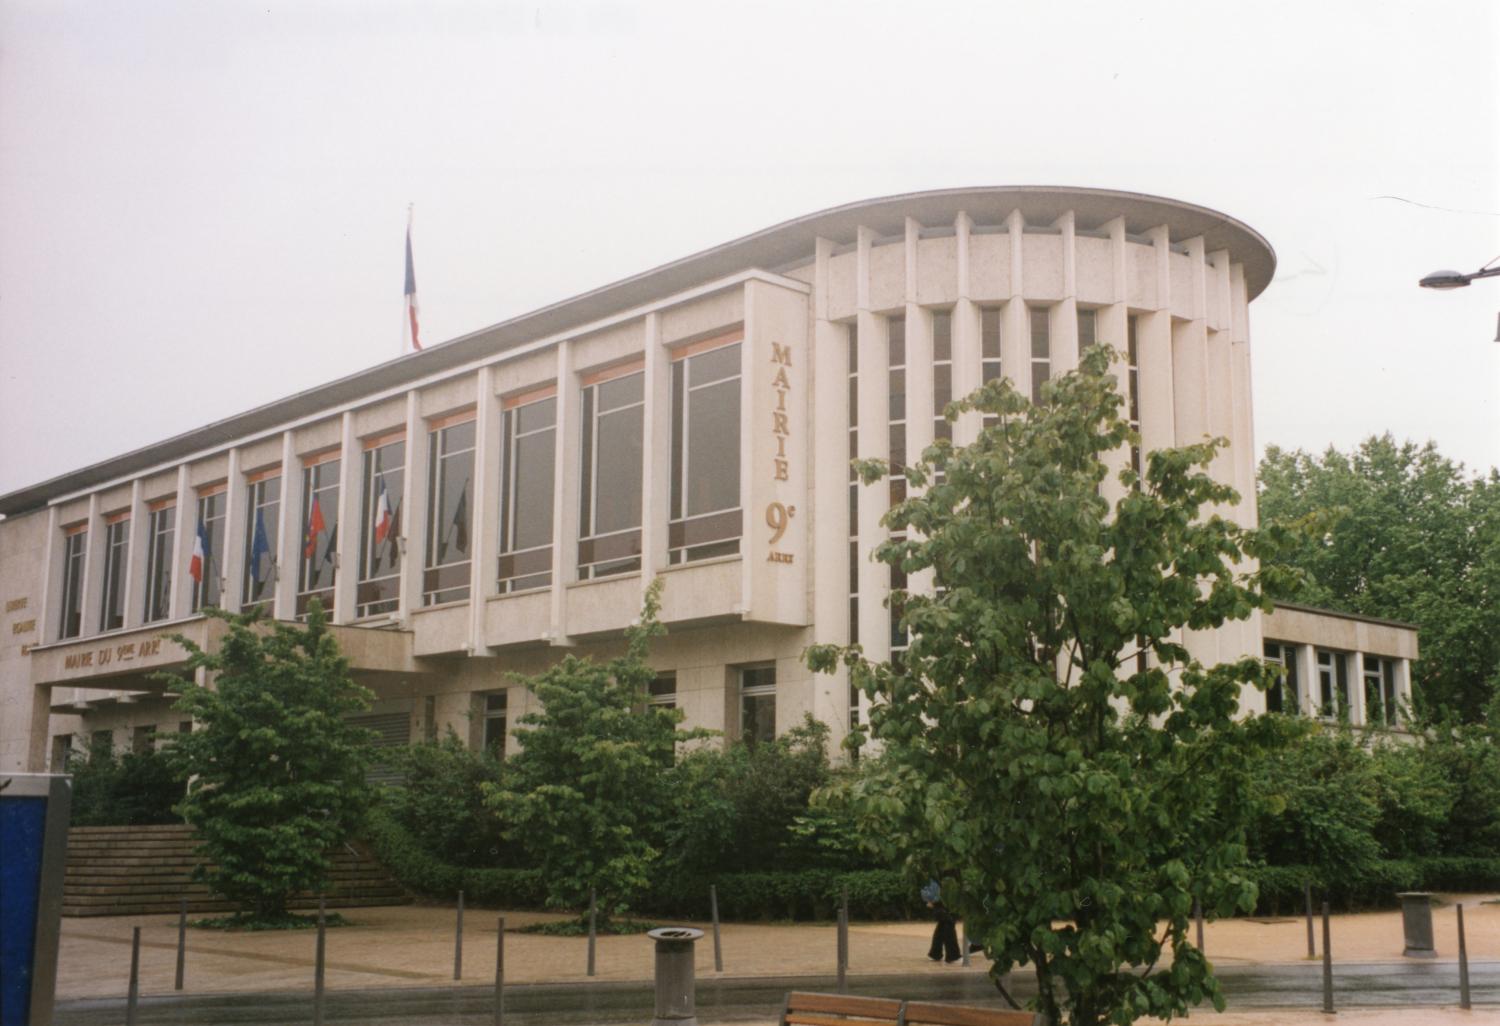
x: 944, y: 947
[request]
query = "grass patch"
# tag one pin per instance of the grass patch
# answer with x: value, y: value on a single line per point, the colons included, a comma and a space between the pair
x: 580, y: 927
x: 248, y: 924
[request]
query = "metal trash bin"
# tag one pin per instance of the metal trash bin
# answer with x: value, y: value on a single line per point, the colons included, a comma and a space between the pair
x: 1416, y: 924
x: 676, y: 1003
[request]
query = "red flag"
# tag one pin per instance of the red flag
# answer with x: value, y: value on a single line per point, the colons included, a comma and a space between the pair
x: 315, y: 527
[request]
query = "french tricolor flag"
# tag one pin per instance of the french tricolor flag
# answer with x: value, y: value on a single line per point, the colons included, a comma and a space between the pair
x: 200, y: 554
x: 382, y: 515
x: 411, y: 289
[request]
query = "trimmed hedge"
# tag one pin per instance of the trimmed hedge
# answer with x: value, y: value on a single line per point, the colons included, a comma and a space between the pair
x: 1374, y: 886
x: 420, y: 872
x: 813, y: 894
x: 805, y: 894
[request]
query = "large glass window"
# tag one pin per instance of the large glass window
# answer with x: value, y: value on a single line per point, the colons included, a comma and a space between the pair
x: 1380, y: 691
x: 1041, y: 350
x: 757, y: 704
x: 160, y: 534
x: 205, y: 565
x: 1283, y: 696
x: 609, y: 535
x: 450, y: 473
x: 1133, y: 392
x: 663, y: 691
x: 1333, y: 684
x: 383, y: 485
x: 75, y: 545
x: 116, y: 551
x: 318, y: 567
x: 989, y: 352
x: 705, y: 518
x: 261, y: 531
x: 496, y: 718
x: 529, y: 459
x: 1088, y: 331
x: 942, y: 373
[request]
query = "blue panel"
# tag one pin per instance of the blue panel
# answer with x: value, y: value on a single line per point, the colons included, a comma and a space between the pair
x: 22, y: 823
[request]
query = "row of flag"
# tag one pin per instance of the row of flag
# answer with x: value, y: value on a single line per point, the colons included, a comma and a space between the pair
x: 260, y: 544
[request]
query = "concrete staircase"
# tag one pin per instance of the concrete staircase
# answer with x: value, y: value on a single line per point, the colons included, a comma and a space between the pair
x: 143, y: 870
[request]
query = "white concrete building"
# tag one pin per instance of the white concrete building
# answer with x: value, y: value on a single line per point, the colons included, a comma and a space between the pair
x: 469, y: 511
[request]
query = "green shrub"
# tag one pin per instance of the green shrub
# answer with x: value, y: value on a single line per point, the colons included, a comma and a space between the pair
x: 419, y: 870
x: 442, y: 801
x: 1317, y: 804
x: 124, y: 790
x: 1375, y: 885
x: 735, y: 808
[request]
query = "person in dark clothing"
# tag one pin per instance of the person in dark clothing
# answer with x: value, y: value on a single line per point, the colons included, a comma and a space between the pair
x: 944, y: 947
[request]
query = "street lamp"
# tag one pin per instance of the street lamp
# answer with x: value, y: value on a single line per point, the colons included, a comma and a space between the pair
x: 1459, y: 280
x: 1456, y: 279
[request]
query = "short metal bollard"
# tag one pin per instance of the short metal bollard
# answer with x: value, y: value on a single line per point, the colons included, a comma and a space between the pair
x: 676, y: 1001
x: 1416, y: 924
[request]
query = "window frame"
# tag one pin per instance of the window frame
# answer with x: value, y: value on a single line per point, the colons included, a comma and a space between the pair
x: 531, y: 567
x: 621, y: 547
x: 750, y: 696
x: 253, y: 595
x: 713, y: 533
x: 448, y: 580
x: 212, y: 513
x: 377, y: 595
x: 320, y: 478
x: 161, y: 533
x: 75, y: 557
x: 1040, y: 315
x: 112, y: 598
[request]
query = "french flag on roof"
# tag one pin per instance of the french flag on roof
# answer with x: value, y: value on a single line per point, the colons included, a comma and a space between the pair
x: 411, y: 288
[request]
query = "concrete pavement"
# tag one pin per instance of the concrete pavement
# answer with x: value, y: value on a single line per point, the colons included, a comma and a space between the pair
x: 412, y: 947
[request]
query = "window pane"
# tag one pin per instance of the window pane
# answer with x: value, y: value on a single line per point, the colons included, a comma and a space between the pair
x: 942, y: 336
x: 617, y: 502
x: 714, y: 365
x: 713, y: 468
x: 533, y: 489
x: 621, y: 392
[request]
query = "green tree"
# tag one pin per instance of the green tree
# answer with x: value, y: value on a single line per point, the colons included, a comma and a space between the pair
x: 129, y: 789
x: 277, y: 770
x: 1412, y: 537
x: 1074, y: 801
x: 587, y: 794
x: 441, y: 801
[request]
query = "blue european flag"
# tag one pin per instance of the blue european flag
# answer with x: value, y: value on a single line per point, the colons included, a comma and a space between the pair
x: 260, y: 546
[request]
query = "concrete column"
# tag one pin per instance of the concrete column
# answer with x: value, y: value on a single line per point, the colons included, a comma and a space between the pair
x: 484, y: 540
x: 413, y: 508
x: 49, y: 602
x: 920, y: 407
x: 184, y: 533
x: 1240, y: 383
x: 351, y: 525
x: 829, y: 417
x: 1190, y: 392
x: 656, y: 453
x: 1307, y: 676
x: 1154, y: 350
x: 1015, y: 322
x: 1355, y: 663
x: 565, y: 491
x: 874, y: 443
x: 1113, y: 323
x: 1403, y: 688
x: 95, y: 553
x: 1064, y: 334
x: 967, y: 355
x: 136, y: 558
x: 289, y: 526
x: 232, y: 559
x: 37, y: 735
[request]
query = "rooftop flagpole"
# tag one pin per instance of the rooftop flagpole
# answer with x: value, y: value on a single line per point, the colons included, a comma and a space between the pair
x: 409, y: 303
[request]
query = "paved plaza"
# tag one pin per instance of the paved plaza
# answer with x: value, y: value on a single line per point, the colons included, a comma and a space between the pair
x: 413, y: 947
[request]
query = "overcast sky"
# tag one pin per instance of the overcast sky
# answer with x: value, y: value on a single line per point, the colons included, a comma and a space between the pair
x: 202, y: 203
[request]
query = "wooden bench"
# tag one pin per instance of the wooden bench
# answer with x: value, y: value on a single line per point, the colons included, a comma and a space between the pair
x: 808, y: 1009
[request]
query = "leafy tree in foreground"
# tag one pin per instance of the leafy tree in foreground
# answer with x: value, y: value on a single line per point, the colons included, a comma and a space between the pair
x: 587, y: 795
x: 277, y: 771
x: 1413, y: 538
x: 1074, y: 802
